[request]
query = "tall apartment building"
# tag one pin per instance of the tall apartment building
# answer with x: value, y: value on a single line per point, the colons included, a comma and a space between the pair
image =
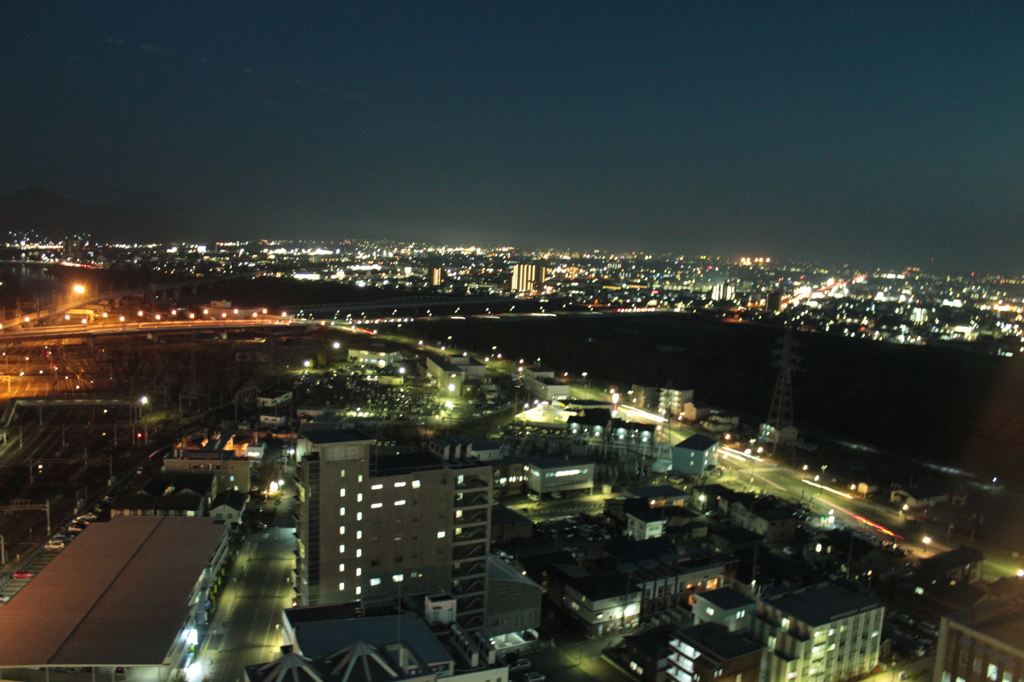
x: 984, y: 643
x: 390, y: 525
x: 818, y: 633
x: 526, y: 277
x: 436, y: 276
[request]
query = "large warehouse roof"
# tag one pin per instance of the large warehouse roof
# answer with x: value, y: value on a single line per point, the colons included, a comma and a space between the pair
x: 118, y: 595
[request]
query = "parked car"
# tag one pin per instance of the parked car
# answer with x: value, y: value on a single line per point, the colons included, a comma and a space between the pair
x: 23, y: 574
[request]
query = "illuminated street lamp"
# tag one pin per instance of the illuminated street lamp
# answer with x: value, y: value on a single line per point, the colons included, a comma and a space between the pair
x: 927, y: 542
x: 78, y: 289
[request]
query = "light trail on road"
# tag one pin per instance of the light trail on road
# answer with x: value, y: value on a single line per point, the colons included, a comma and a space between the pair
x: 868, y: 522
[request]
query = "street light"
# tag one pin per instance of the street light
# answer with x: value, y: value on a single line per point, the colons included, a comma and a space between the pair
x: 927, y: 542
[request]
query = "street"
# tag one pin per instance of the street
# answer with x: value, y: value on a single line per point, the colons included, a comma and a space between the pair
x: 246, y: 628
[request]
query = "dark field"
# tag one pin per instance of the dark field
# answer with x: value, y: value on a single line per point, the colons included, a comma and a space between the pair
x: 938, y: 404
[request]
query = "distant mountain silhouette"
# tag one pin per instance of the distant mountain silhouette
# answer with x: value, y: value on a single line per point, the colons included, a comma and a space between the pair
x: 52, y: 215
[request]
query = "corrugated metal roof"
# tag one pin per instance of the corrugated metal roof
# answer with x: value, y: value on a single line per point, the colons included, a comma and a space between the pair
x: 116, y: 596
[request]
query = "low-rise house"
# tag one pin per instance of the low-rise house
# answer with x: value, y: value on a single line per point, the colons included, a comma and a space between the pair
x: 694, y: 455
x: 229, y: 506
x: 726, y: 607
x: 597, y: 605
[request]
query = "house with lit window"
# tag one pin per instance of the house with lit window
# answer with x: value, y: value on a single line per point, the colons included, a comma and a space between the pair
x: 726, y: 607
x: 597, y: 605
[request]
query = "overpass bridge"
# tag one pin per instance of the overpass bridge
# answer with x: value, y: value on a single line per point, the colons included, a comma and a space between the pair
x: 396, y: 306
x: 63, y: 304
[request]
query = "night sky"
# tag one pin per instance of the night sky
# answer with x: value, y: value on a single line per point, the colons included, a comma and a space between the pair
x: 877, y: 133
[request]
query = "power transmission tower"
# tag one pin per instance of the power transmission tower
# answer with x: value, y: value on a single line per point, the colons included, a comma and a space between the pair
x: 780, y: 416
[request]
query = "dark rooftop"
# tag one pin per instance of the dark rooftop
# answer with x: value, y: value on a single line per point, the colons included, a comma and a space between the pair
x: 656, y: 492
x: 717, y: 643
x: 727, y: 599
x: 323, y: 436
x: 698, y: 442
x: 820, y: 604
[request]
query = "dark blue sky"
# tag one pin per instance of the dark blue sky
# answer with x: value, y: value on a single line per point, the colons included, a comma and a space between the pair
x: 885, y: 133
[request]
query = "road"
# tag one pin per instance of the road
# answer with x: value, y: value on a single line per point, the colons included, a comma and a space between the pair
x: 879, y: 520
x: 246, y: 628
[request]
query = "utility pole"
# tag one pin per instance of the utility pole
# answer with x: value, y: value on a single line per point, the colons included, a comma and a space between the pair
x: 24, y: 505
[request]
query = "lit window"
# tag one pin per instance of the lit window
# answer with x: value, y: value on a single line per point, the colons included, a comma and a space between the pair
x: 399, y: 503
x: 341, y: 549
x: 359, y: 497
x: 341, y: 587
x: 359, y: 572
x: 341, y: 530
x: 343, y: 473
x: 710, y: 611
x: 398, y: 577
x: 399, y: 484
x: 360, y: 478
x: 341, y: 512
x: 359, y: 553
x: 341, y: 568
x: 440, y: 534
x: 359, y: 516
x: 359, y: 590
x: 359, y: 535
x: 376, y: 486
x: 342, y: 492
x: 993, y: 672
x: 376, y: 505
x: 374, y: 582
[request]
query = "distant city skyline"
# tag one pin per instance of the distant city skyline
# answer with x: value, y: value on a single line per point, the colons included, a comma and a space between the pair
x: 879, y: 135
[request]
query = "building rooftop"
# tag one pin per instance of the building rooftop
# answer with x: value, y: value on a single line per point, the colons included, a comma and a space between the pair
x: 727, y: 599
x: 1001, y: 619
x: 324, y: 637
x: 822, y: 603
x: 954, y: 558
x: 717, y: 643
x: 656, y: 492
x: 118, y: 595
x: 322, y: 436
x: 697, y: 442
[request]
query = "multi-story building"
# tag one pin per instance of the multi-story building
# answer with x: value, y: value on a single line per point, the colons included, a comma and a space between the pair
x: 373, y: 525
x: 818, y: 633
x: 672, y: 400
x: 984, y: 643
x: 526, y: 277
x: 708, y: 652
